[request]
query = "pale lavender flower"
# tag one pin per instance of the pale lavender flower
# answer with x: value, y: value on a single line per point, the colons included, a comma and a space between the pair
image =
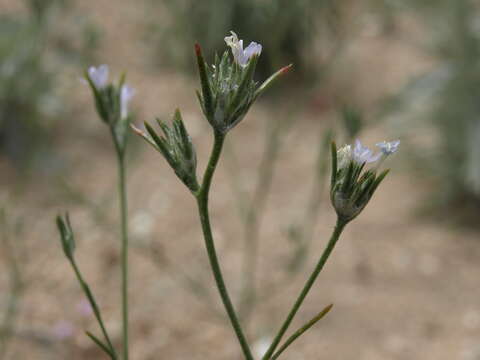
x: 362, y: 154
x: 389, y: 148
x: 99, y: 76
x: 241, y: 56
x: 126, y: 94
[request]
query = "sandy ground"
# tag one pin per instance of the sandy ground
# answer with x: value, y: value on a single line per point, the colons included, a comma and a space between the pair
x: 403, y: 287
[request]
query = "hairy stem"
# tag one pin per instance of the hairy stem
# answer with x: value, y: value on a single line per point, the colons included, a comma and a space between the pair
x: 202, y: 202
x: 308, y: 285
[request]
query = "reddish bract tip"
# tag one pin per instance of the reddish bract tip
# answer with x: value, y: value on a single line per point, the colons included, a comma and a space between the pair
x: 198, y: 49
x: 286, y: 69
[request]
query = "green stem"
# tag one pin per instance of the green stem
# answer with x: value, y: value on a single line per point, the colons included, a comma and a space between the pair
x: 202, y: 202
x: 95, y: 308
x: 124, y: 256
x: 308, y: 285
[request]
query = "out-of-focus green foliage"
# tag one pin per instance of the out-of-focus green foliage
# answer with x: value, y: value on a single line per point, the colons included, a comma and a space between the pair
x: 444, y: 103
x: 292, y: 31
x: 34, y: 48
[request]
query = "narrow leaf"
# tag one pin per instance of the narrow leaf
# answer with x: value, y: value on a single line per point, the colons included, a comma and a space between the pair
x: 267, y: 83
x: 334, y: 165
x: 144, y: 135
x: 101, y: 345
x: 242, y: 91
x: 378, y: 180
x: 301, y: 331
x: 157, y: 139
x: 205, y: 82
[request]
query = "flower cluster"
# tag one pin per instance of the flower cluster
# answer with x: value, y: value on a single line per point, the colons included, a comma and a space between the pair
x: 111, y: 101
x: 228, y: 87
x: 352, y: 186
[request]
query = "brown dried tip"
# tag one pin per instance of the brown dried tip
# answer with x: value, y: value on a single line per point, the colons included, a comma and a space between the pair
x: 137, y: 130
x: 286, y: 69
x: 198, y: 49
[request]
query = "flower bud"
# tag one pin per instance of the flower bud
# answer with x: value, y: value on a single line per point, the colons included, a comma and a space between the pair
x: 352, y: 186
x: 176, y: 146
x: 111, y: 101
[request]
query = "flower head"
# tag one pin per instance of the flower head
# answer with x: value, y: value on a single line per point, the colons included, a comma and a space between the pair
x: 99, y: 76
x: 241, y: 56
x: 126, y: 94
x: 362, y: 154
x: 352, y: 186
x: 111, y: 101
x: 388, y: 148
x: 228, y: 87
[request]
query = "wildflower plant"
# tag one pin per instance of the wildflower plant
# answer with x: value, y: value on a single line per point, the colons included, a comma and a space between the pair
x: 228, y: 90
x: 111, y: 102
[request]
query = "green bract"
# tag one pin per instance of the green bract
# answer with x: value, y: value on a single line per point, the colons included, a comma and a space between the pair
x: 177, y: 148
x: 66, y: 235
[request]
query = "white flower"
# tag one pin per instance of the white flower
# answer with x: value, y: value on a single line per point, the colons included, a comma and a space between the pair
x: 126, y: 94
x: 240, y: 55
x: 389, y: 148
x: 99, y: 76
x: 344, y: 156
x: 362, y: 154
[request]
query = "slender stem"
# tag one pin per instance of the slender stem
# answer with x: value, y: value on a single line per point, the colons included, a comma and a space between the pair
x: 93, y: 304
x: 308, y: 285
x: 202, y: 202
x: 124, y: 256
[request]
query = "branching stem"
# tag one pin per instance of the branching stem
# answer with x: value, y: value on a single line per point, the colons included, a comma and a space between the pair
x: 202, y: 202
x: 308, y: 285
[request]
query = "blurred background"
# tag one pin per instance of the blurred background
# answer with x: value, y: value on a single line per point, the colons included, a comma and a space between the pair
x: 404, y: 279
